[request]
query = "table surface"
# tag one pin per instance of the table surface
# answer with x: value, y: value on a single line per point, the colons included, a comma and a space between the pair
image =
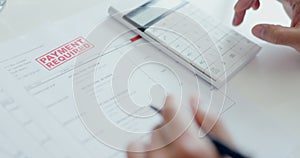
x: 270, y: 82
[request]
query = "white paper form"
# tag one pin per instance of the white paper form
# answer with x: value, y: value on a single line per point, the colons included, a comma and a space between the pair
x: 43, y: 146
x: 49, y: 119
x: 52, y: 91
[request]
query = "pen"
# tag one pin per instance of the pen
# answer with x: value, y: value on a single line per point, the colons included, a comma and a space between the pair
x: 223, y: 149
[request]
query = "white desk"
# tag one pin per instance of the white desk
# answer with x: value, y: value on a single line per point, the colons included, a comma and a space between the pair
x: 270, y: 82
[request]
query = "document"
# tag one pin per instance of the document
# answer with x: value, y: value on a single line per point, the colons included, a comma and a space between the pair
x: 39, y: 116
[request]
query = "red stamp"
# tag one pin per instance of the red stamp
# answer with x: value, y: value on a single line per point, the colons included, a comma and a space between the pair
x: 64, y: 53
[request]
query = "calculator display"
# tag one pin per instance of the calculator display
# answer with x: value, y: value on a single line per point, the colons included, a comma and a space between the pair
x: 151, y: 12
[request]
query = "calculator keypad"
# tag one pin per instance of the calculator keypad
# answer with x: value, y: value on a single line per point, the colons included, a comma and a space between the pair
x: 204, y: 42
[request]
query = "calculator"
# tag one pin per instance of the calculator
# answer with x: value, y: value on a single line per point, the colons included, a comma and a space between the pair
x: 194, y: 39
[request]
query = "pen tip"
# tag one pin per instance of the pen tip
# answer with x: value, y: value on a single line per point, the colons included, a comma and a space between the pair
x: 155, y: 109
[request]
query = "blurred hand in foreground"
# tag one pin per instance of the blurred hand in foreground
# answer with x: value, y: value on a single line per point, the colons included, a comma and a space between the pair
x: 188, y: 143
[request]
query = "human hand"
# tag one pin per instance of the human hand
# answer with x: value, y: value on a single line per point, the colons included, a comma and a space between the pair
x: 276, y: 34
x: 188, y: 144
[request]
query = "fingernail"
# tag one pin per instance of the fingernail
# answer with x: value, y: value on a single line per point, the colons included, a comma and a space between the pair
x: 234, y: 22
x: 259, y: 31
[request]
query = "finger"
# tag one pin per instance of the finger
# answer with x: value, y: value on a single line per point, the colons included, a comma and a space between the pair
x: 242, y: 5
x: 239, y: 18
x: 170, y: 109
x: 167, y: 129
x: 158, y: 147
x: 157, y: 138
x: 256, y: 5
x: 158, y: 126
x: 240, y: 10
x: 198, y: 113
x: 296, y: 15
x: 278, y: 34
x: 160, y: 153
x: 205, y: 122
x: 136, y: 150
x: 175, y: 123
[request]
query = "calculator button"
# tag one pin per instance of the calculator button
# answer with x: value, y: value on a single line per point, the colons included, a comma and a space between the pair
x: 230, y: 58
x: 195, y: 35
x: 216, y: 34
x: 212, y: 54
x: 182, y: 27
x: 168, y: 37
x: 235, y: 36
x: 229, y: 40
x: 190, y: 54
x: 179, y: 45
x: 155, y: 32
x: 201, y: 63
x: 204, y: 43
x: 216, y: 70
x: 225, y: 45
x: 243, y: 46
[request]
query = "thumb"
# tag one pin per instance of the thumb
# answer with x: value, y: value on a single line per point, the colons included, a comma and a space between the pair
x: 199, y: 115
x: 203, y: 119
x: 136, y: 150
x: 206, y: 122
x: 278, y: 34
